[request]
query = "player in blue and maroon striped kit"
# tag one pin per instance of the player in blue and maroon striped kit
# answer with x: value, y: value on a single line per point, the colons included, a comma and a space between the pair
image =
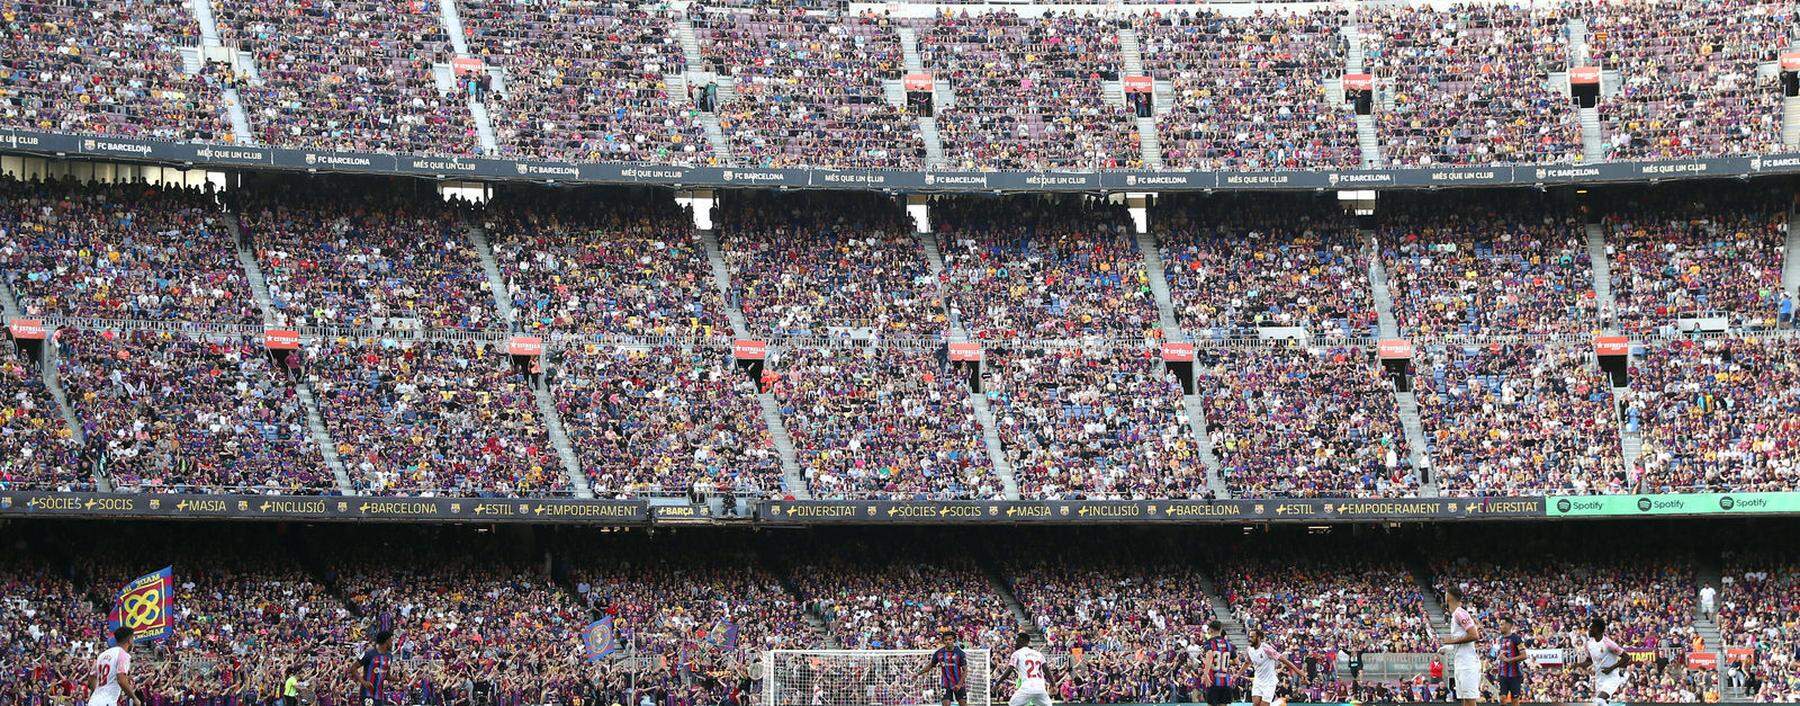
x: 1511, y: 670
x: 952, y: 663
x: 1220, y: 661
x: 374, y: 671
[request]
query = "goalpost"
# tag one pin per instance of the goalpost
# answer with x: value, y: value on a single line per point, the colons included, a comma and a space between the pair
x: 866, y: 678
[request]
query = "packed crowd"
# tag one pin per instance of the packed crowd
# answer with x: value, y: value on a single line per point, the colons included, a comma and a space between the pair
x: 1718, y: 414
x: 1029, y: 268
x: 433, y: 419
x: 47, y: 625
x: 169, y: 412
x: 1276, y: 435
x: 1518, y: 419
x: 806, y: 267
x: 1317, y: 603
x: 107, y: 67
x: 1090, y: 423
x: 1507, y: 263
x: 585, y: 81
x: 663, y: 420
x: 37, y: 449
x: 876, y: 595
x: 1683, y: 255
x: 1249, y: 92
x: 875, y: 421
x: 348, y: 75
x: 810, y: 88
x: 1031, y: 92
x: 1689, y: 76
x: 1551, y: 590
x: 1756, y: 609
x: 126, y: 251
x: 1099, y: 604
x: 1470, y: 83
x: 1235, y: 264
x: 366, y: 258
x: 618, y: 265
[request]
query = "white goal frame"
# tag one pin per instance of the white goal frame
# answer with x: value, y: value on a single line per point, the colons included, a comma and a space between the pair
x: 868, y: 677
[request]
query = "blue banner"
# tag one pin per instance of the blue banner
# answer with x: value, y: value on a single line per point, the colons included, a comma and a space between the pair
x: 599, y: 640
x: 146, y: 605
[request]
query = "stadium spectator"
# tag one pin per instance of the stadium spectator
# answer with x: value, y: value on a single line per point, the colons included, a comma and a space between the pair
x: 1679, y: 255
x: 1718, y: 414
x: 37, y: 449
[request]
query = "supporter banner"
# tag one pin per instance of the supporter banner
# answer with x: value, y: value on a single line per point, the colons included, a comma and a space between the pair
x: 28, y: 329
x: 329, y: 508
x: 146, y: 605
x: 747, y: 349
x: 1672, y: 504
x: 1145, y: 511
x: 236, y: 156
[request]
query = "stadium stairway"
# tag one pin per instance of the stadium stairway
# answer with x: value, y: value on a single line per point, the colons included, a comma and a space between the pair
x: 1600, y: 265
x: 259, y: 286
x: 192, y: 60
x: 1234, y: 629
x: 478, y: 239
x: 1790, y: 266
x: 1428, y: 595
x: 783, y: 571
x: 53, y: 383
x: 928, y: 127
x: 1003, y: 587
x: 1165, y: 313
x: 1131, y: 60
x: 8, y: 305
x: 451, y: 21
x: 984, y: 413
x: 1706, y: 573
x: 1593, y: 137
x: 559, y: 439
x: 791, y: 478
x: 1576, y: 35
x: 1406, y: 402
x: 1790, y: 123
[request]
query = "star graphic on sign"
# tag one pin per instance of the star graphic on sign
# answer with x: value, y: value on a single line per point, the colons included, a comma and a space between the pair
x: 265, y: 505
x: 90, y: 504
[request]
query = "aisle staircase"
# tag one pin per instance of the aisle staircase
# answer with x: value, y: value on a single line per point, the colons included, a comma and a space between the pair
x: 1578, y: 45
x: 1368, y: 138
x: 309, y: 403
x: 478, y: 239
x: 791, y: 478
x: 451, y: 22
x: 1171, y: 326
x: 1003, y: 588
x: 1406, y: 403
x: 1428, y: 594
x: 1234, y: 629
x: 928, y: 127
x: 559, y: 440
x: 1706, y: 573
x: 1790, y: 123
x: 984, y: 412
x: 193, y: 61
x: 1593, y: 140
x: 9, y: 304
x: 1132, y: 61
x: 1601, y: 267
x: 1790, y: 266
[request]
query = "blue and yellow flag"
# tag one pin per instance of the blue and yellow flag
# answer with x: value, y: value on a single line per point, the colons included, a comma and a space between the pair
x: 599, y: 640
x: 146, y: 605
x: 723, y: 634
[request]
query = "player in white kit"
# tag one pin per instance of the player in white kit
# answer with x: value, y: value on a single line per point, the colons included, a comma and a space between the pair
x: 111, y: 676
x: 1609, y: 660
x: 1032, y: 687
x: 1465, y: 660
x: 1265, y: 659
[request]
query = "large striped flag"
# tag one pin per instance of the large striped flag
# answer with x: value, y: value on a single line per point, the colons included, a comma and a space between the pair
x: 146, y: 605
x: 599, y: 640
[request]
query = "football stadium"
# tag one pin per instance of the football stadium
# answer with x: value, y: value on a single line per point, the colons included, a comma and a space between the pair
x: 910, y: 353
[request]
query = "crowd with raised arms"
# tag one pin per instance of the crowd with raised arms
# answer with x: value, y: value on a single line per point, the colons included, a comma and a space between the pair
x: 349, y: 75
x: 1035, y: 269
x: 1313, y: 605
x: 1677, y: 254
x: 1098, y: 607
x: 1030, y: 91
x: 1248, y: 92
x: 809, y: 88
x: 877, y: 596
x: 177, y: 413
x: 1470, y: 83
x: 365, y: 259
x: 869, y: 421
x: 122, y: 251
x: 1276, y: 435
x: 1717, y: 414
x: 37, y: 448
x: 1501, y: 265
x: 1093, y: 423
x: 422, y: 418
x: 664, y: 420
x: 1236, y: 264
x: 107, y: 67
x: 1517, y: 419
x: 1689, y: 76
x: 829, y: 268
x: 622, y: 266
x: 585, y: 81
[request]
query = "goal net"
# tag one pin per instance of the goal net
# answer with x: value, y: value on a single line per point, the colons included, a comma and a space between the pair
x: 866, y: 678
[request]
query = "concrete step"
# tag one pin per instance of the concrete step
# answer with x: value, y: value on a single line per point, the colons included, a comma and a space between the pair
x: 1131, y: 57
x: 1417, y: 451
x: 1196, y: 416
x: 237, y: 117
x: 1227, y: 615
x: 715, y: 136
x: 791, y: 478
x: 559, y: 439
x: 1368, y: 142
x: 1422, y: 579
x: 1601, y: 267
x: 1406, y: 403
x: 203, y: 16
x: 909, y: 49
x: 893, y: 91
x: 990, y: 437
x: 1631, y: 438
x: 443, y: 76
x: 315, y: 424
x: 1578, y: 44
x: 1159, y: 286
x: 478, y: 240
x: 1378, y: 288
x: 1790, y: 265
x: 451, y: 21
x: 934, y: 143
x: 246, y: 256
x: 1354, y: 56
x: 690, y: 44
x: 245, y: 63
x: 52, y: 379
x: 484, y: 127
x: 1149, y: 144
x: 1002, y: 587
x: 722, y: 282
x: 1593, y: 138
x: 191, y: 60
x: 1790, y: 123
x: 9, y: 305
